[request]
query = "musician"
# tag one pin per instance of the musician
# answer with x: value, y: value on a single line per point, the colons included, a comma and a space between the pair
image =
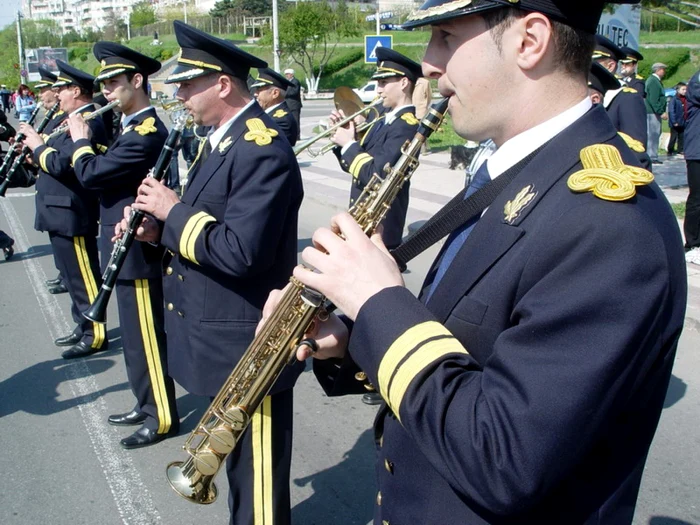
x: 628, y: 70
x: 234, y: 238
x: 116, y: 175
x: 70, y: 212
x: 525, y: 384
x: 381, y: 144
x: 625, y: 105
x: 270, y: 88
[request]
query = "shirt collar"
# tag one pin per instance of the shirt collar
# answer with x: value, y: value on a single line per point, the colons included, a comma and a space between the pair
x: 80, y: 109
x: 520, y: 146
x: 128, y: 118
x: 272, y: 108
x: 392, y: 115
x: 215, y: 136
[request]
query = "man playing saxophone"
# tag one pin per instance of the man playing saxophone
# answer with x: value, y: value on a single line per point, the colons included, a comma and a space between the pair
x: 70, y: 212
x: 116, y: 175
x: 233, y: 237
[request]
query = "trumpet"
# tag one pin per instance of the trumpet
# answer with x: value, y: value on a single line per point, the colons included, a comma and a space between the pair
x: 346, y: 100
x: 65, y: 127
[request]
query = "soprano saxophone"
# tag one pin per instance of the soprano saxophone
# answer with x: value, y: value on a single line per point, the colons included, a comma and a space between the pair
x: 222, y: 425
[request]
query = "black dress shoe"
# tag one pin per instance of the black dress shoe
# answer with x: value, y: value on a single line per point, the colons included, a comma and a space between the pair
x: 145, y: 437
x: 53, y: 282
x: 130, y: 418
x: 372, y: 398
x: 68, y: 340
x: 9, y: 250
x: 81, y: 350
x: 59, y: 288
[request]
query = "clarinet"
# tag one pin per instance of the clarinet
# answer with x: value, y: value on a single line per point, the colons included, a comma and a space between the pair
x: 18, y: 159
x: 98, y: 309
x: 12, y: 152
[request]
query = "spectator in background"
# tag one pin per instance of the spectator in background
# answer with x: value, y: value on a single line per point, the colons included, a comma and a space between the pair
x: 656, y: 109
x: 422, y: 96
x: 24, y: 103
x: 293, y: 97
x: 5, y: 98
x: 677, y: 116
x: 691, y: 225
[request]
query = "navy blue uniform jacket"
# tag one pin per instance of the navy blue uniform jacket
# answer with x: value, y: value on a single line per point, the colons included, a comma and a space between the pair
x: 691, y: 148
x: 116, y: 175
x: 286, y: 122
x: 629, y: 116
x: 363, y: 160
x: 63, y: 206
x: 235, y: 239
x: 528, y: 389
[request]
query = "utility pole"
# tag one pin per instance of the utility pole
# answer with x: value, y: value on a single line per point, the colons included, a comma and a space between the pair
x: 20, y: 47
x: 275, y: 36
x: 378, y: 25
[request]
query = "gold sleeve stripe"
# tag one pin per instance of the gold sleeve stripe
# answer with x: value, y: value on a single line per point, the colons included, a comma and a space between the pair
x: 42, y: 158
x: 263, y: 510
x: 360, y: 160
x: 418, y: 361
x: 191, y: 231
x: 153, y: 360
x: 85, y: 150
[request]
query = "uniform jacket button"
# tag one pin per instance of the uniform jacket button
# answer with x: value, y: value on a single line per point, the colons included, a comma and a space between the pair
x: 169, y: 271
x: 181, y: 277
x: 170, y: 307
x: 389, y: 466
x: 379, y: 497
x: 385, y: 522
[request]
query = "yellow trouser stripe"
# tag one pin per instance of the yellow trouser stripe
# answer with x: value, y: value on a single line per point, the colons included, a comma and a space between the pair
x: 90, y: 285
x: 191, y: 231
x: 360, y: 160
x: 418, y: 361
x: 262, y: 464
x: 84, y: 150
x: 150, y: 345
x: 42, y: 158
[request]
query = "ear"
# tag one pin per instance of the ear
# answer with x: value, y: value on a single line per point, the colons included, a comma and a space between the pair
x: 225, y: 86
x: 137, y: 80
x: 536, y: 40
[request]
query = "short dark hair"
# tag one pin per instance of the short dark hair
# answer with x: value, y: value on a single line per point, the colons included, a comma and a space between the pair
x: 130, y: 75
x: 573, y: 47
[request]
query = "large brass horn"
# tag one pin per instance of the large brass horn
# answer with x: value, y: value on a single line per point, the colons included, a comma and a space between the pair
x: 347, y: 101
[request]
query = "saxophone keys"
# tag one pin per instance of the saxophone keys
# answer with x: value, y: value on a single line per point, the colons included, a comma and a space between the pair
x: 206, y: 462
x: 237, y: 418
x: 221, y: 439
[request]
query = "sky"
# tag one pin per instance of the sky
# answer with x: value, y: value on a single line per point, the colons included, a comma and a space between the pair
x: 8, y: 11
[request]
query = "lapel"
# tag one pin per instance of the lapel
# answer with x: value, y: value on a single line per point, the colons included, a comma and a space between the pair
x: 216, y: 158
x: 493, y: 236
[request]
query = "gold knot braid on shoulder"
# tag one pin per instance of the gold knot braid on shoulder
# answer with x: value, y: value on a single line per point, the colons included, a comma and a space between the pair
x: 606, y: 175
x: 258, y: 132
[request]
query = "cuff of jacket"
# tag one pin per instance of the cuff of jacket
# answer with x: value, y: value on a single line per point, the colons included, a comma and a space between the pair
x: 183, y: 228
x: 82, y: 147
x: 354, y: 159
x: 40, y: 155
x: 397, y: 353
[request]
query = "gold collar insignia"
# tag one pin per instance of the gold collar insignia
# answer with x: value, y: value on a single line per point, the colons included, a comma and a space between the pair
x: 258, y: 132
x: 146, y: 127
x: 225, y: 144
x: 521, y: 201
x: 409, y: 118
x: 279, y: 113
x: 606, y: 175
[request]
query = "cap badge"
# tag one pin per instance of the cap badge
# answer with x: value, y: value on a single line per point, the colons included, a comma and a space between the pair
x: 258, y: 132
x: 146, y: 127
x: 521, y: 201
x: 606, y: 175
x: 225, y: 144
x: 279, y: 113
x: 410, y: 119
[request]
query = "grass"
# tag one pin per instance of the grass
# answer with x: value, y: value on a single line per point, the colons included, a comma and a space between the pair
x: 445, y: 137
x: 670, y: 37
x: 679, y: 209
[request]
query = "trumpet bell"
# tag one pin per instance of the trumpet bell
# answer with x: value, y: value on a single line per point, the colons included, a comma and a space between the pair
x: 347, y: 101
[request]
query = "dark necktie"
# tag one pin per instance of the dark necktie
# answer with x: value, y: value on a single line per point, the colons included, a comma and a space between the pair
x: 458, y: 237
x: 199, y: 161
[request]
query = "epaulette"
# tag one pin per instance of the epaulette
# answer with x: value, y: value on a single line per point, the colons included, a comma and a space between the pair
x: 258, y: 132
x: 628, y: 89
x: 606, y: 175
x: 279, y: 113
x: 632, y: 144
x: 639, y: 77
x: 410, y: 119
x: 146, y: 127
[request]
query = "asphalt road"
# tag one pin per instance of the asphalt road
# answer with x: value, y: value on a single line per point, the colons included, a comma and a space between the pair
x: 62, y: 464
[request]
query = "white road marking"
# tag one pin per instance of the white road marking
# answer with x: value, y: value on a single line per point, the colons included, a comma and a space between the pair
x: 131, y: 496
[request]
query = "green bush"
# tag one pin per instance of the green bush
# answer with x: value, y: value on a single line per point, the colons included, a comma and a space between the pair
x: 674, y: 58
x: 165, y: 54
x: 659, y: 22
x: 343, y: 61
x: 78, y: 53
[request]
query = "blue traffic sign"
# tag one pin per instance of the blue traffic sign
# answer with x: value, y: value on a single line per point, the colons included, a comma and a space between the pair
x: 372, y: 42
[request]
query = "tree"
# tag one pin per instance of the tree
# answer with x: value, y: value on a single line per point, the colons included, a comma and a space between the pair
x: 223, y: 8
x: 310, y: 33
x: 115, y: 27
x: 142, y: 14
x: 685, y: 12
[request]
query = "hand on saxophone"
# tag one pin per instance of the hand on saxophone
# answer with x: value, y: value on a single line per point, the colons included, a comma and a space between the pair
x: 351, y: 267
x: 331, y: 335
x: 148, y: 230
